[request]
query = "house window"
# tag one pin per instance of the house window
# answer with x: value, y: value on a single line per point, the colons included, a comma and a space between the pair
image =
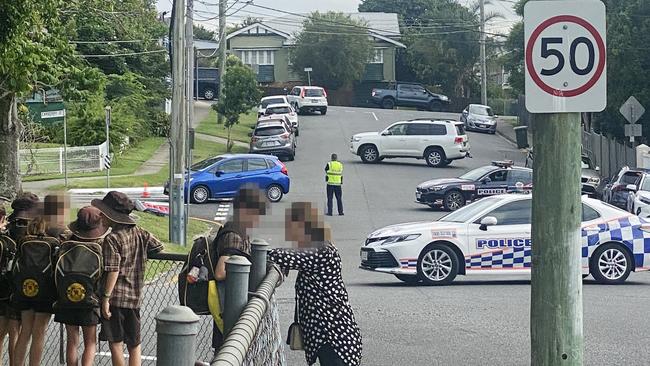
x: 256, y: 57
x: 378, y: 56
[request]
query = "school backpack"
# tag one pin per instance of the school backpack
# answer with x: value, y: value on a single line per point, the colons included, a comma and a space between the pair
x: 7, y: 254
x: 77, y: 273
x: 33, y: 269
x: 197, y: 271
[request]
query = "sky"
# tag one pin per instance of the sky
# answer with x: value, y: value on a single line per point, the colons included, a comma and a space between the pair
x: 207, y: 10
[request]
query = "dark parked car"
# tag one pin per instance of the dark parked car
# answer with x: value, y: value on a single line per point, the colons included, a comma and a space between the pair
x: 453, y: 193
x: 408, y: 95
x: 223, y: 175
x: 207, y: 80
x: 617, y: 191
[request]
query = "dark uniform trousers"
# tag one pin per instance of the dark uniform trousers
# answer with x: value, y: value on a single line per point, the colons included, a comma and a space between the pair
x: 334, y: 190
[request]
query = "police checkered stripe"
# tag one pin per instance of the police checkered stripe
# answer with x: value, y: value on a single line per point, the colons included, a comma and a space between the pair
x: 506, y: 258
x: 408, y: 263
x: 626, y: 231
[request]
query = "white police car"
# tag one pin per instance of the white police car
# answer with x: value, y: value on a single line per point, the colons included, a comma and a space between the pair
x: 493, y: 235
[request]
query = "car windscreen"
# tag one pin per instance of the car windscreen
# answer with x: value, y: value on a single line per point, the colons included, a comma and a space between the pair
x: 481, y: 110
x: 313, y: 92
x: 269, y: 131
x: 205, y: 163
x: 278, y: 110
x: 270, y: 101
x: 477, y: 173
x: 470, y: 211
x: 646, y: 184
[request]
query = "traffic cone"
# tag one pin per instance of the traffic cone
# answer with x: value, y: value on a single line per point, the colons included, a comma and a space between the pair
x: 145, y: 193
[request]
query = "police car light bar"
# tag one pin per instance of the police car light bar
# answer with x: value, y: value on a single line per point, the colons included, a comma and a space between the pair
x: 503, y: 163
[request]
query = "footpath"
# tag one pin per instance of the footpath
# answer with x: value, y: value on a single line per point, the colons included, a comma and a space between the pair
x: 507, y: 131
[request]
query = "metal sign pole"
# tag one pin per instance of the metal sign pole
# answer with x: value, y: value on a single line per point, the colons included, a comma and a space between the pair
x: 108, y: 146
x: 65, y: 149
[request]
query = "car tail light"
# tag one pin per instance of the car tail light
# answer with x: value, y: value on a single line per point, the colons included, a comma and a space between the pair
x: 285, y: 135
x: 302, y: 93
x: 284, y: 169
x: 324, y: 93
x: 373, y: 92
x: 458, y: 140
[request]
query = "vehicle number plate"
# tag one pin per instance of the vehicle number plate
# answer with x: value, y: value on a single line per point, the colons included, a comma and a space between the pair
x: 269, y: 143
x: 364, y: 256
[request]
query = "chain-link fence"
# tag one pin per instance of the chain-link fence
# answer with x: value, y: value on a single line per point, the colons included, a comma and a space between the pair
x: 53, y: 160
x: 161, y: 290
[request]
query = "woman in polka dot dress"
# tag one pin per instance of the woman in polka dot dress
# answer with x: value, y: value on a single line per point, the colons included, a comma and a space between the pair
x: 330, y: 332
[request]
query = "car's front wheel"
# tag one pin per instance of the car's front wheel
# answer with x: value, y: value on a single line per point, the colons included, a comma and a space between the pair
x: 453, y: 200
x: 274, y: 193
x: 208, y: 94
x: 610, y: 264
x: 369, y: 154
x: 437, y: 265
x: 388, y: 103
x: 410, y: 279
x: 200, y: 194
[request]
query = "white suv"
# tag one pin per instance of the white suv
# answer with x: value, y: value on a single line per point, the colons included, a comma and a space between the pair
x: 438, y: 142
x: 308, y: 99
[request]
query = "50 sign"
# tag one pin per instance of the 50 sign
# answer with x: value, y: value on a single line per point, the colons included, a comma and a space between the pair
x: 565, y: 56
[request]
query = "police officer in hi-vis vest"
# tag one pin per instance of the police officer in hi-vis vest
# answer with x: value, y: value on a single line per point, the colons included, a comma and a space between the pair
x: 334, y: 179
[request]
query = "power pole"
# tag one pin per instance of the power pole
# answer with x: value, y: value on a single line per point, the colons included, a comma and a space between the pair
x: 189, y: 53
x: 222, y: 49
x: 177, y: 224
x: 483, y: 60
x: 556, y: 332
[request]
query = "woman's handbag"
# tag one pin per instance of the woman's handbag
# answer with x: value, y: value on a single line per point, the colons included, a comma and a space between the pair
x: 294, y: 338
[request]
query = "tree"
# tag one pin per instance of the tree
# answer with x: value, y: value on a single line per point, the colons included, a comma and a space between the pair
x: 444, y: 50
x: 240, y: 94
x: 335, y: 46
x: 201, y: 32
x: 35, y: 55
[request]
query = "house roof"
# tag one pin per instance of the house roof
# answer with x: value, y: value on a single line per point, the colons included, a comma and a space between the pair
x: 383, y: 26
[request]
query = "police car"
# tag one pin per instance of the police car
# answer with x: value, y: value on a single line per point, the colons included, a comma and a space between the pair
x: 453, y: 193
x: 493, y: 235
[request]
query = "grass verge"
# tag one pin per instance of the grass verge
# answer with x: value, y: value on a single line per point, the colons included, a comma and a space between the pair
x: 126, y: 163
x: 203, y: 149
x: 239, y: 131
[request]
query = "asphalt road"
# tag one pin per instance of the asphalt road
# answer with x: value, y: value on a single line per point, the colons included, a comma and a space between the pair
x: 475, y: 321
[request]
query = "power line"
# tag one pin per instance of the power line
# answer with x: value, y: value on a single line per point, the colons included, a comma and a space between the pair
x: 124, y: 54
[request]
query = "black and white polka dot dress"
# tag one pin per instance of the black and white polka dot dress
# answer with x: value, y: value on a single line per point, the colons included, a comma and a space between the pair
x: 324, y: 311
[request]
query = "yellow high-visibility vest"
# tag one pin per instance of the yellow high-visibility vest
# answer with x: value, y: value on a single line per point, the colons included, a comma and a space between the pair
x: 335, y: 173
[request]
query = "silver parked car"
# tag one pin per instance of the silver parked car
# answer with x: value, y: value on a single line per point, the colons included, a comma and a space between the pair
x: 284, y: 109
x: 477, y: 117
x: 273, y: 138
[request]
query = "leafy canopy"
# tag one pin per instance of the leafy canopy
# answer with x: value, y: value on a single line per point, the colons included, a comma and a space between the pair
x: 335, y: 46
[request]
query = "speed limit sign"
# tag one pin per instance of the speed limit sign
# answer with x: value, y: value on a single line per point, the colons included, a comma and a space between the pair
x: 565, y: 56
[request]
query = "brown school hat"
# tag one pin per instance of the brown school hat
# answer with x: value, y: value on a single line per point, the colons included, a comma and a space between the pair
x: 116, y: 206
x: 89, y: 224
x: 25, y: 207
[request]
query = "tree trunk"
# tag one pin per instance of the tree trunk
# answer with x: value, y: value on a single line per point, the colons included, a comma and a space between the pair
x: 229, y: 142
x: 10, y: 184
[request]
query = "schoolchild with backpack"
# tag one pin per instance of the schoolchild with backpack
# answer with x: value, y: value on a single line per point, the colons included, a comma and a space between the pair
x: 33, y: 278
x: 125, y: 252
x: 77, y: 274
x: 25, y: 209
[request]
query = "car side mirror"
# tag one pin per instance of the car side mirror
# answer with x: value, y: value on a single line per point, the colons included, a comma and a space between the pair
x: 250, y: 134
x: 496, y: 116
x: 386, y: 133
x: 219, y: 173
x: 486, y: 180
x: 630, y: 187
x: 465, y: 111
x: 487, y: 221
x: 597, y: 169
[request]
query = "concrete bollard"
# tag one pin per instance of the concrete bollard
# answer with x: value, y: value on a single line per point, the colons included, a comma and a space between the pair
x: 177, y: 327
x: 259, y: 248
x: 237, y: 272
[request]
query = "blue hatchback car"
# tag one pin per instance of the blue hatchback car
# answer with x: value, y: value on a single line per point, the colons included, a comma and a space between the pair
x: 222, y: 176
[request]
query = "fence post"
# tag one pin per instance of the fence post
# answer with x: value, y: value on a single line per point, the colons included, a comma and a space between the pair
x: 258, y: 270
x: 60, y: 160
x: 177, y: 327
x: 237, y: 272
